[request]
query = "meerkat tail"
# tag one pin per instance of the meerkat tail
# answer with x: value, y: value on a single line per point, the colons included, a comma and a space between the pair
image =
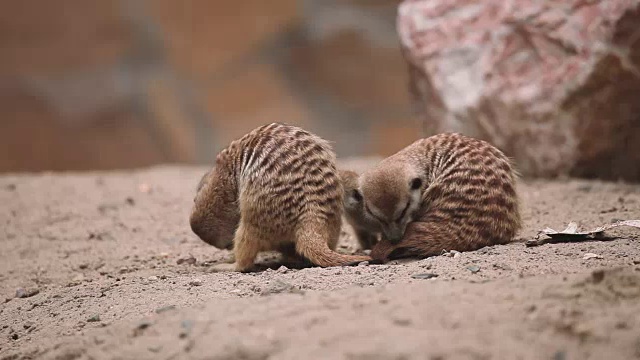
x: 385, y: 251
x: 311, y: 243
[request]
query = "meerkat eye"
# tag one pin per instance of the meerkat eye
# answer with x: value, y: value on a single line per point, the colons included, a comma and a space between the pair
x: 416, y: 184
x: 355, y: 194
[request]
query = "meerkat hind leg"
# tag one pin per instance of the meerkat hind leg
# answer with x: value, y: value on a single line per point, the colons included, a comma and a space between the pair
x: 311, y: 242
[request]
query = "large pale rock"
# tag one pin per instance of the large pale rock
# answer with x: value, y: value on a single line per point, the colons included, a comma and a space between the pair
x: 555, y: 84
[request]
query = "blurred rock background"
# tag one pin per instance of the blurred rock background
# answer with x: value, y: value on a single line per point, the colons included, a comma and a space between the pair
x: 119, y: 84
x: 555, y: 84
x: 128, y: 83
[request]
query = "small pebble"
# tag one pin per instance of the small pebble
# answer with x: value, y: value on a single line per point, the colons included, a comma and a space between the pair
x: 187, y: 325
x: 282, y: 269
x: 456, y: 255
x: 364, y: 263
x: 190, y: 260
x: 279, y: 286
x: 144, y: 324
x: 473, y: 268
x: 196, y: 282
x: 424, y: 276
x: 25, y: 293
x: 152, y: 278
x: 94, y: 318
x: 588, y: 256
x: 502, y: 267
x: 165, y: 309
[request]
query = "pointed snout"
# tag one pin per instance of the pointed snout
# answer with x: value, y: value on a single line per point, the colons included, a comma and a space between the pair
x: 197, y: 226
x: 394, y: 233
x: 211, y: 232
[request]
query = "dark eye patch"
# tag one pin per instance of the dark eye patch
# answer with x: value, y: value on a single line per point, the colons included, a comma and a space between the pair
x: 356, y: 195
x: 373, y: 215
x: 404, y: 212
x: 416, y: 184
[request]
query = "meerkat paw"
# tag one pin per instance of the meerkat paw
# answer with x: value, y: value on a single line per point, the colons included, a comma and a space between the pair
x: 229, y: 260
x: 357, y: 259
x: 231, y: 267
x: 225, y: 267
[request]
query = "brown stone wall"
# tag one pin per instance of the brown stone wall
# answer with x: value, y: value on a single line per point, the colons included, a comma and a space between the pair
x: 120, y: 84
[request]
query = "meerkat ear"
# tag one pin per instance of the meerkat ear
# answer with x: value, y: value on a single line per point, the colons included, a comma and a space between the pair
x: 415, y: 184
x: 356, y: 195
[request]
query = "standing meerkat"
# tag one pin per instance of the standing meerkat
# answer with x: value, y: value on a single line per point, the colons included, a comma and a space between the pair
x: 276, y: 188
x: 448, y: 191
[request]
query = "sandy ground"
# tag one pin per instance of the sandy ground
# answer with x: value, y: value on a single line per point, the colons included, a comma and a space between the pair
x: 105, y: 266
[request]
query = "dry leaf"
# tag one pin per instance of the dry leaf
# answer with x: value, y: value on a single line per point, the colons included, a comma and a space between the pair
x: 571, y: 233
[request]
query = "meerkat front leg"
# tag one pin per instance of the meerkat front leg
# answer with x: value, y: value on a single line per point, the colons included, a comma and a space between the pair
x: 245, y: 251
x: 366, y: 239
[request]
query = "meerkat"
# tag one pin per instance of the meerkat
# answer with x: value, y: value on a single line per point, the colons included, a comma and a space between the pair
x: 275, y: 188
x: 447, y: 191
x: 366, y: 231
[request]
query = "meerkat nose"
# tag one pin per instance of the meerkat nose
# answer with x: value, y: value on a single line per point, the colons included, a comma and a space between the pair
x: 394, y: 237
x: 196, y: 227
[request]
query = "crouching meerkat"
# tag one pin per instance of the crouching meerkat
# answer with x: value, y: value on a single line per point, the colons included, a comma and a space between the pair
x: 447, y: 191
x: 276, y: 188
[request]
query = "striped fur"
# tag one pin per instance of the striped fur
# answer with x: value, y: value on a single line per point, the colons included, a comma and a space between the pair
x: 466, y: 199
x: 276, y: 188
